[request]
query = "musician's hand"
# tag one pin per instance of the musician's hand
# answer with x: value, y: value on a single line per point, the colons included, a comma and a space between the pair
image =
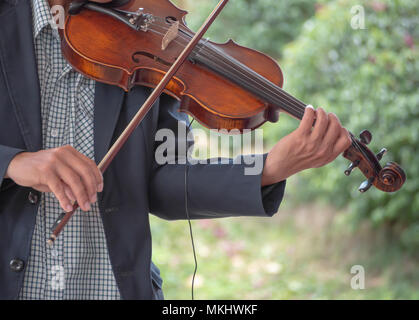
x: 306, y: 147
x: 64, y: 171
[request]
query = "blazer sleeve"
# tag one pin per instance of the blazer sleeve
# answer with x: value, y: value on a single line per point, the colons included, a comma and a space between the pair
x: 216, y: 189
x: 6, y: 155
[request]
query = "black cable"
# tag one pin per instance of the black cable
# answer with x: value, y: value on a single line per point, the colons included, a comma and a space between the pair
x: 187, y: 213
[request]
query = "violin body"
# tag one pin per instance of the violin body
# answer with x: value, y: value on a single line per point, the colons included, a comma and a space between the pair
x: 136, y: 58
x: 223, y: 86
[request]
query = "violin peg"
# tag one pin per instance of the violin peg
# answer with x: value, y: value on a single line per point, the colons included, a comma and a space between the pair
x: 352, y: 166
x: 365, y: 136
x: 364, y: 187
x: 381, y: 154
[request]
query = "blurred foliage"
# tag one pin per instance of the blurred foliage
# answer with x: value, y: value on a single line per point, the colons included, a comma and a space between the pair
x: 263, y: 25
x: 370, y: 79
x: 301, y: 253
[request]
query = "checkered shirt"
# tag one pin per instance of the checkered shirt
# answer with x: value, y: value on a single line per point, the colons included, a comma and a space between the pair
x: 78, y: 265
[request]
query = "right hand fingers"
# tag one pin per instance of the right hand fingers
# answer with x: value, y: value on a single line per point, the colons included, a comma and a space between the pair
x: 93, y: 168
x: 87, y: 170
x: 77, y: 188
x: 80, y: 176
x: 70, y: 194
x: 57, y: 187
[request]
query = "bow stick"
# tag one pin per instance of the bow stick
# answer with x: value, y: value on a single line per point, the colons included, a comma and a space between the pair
x: 142, y: 112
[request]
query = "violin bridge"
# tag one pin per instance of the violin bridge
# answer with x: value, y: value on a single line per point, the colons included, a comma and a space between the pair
x: 170, y: 35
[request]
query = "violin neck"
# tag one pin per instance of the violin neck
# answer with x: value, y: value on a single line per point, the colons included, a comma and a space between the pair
x: 232, y: 69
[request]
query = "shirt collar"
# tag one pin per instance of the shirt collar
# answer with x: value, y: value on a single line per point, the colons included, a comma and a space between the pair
x: 41, y: 15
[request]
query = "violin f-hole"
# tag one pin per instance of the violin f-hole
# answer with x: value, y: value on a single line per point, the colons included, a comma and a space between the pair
x: 135, y: 58
x: 171, y: 19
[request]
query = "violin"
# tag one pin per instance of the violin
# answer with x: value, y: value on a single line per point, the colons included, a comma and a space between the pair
x: 130, y: 43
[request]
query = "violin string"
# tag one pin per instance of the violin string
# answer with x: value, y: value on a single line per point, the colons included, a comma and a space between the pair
x: 353, y: 139
x: 296, y: 113
x: 206, y: 48
x: 300, y: 114
x: 189, y: 34
x: 295, y: 109
x: 223, y: 55
x: 295, y: 104
x: 259, y: 88
x: 357, y: 146
x: 258, y: 82
x: 300, y: 105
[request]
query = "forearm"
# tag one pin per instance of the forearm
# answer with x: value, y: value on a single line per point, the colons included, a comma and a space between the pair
x: 214, y: 191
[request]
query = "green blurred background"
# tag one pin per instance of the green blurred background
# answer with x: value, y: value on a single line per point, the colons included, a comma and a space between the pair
x: 369, y: 78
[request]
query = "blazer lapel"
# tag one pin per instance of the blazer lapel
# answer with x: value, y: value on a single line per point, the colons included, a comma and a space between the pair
x: 108, y: 102
x: 18, y: 64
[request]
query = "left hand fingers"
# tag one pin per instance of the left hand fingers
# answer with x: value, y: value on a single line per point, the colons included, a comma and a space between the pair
x: 321, y: 125
x: 332, y: 134
x: 343, y: 142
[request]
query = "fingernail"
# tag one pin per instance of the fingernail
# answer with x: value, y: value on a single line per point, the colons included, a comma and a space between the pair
x: 100, y: 187
x: 310, y: 106
x: 87, y: 206
x: 68, y: 208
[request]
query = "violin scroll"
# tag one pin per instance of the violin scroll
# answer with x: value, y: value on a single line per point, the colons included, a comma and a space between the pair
x: 389, y: 178
x: 392, y: 176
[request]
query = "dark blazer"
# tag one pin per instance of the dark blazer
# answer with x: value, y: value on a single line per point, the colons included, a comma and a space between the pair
x: 134, y: 184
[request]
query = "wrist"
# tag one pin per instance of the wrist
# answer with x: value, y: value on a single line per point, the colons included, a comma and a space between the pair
x: 274, y: 170
x: 12, y: 164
